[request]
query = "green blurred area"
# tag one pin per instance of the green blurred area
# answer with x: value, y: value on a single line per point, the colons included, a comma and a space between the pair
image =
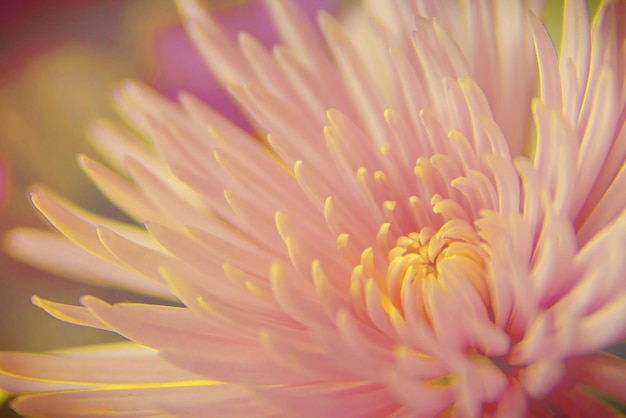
x: 553, y: 18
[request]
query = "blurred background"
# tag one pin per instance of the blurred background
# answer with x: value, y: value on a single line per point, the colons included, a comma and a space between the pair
x: 59, y: 61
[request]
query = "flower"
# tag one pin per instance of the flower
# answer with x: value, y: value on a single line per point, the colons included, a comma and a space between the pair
x: 418, y: 231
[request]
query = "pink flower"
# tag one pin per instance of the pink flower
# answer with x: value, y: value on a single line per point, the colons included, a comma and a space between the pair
x: 416, y: 232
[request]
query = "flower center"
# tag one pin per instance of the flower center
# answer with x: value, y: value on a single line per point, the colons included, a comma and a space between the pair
x: 420, y: 250
x: 434, y: 260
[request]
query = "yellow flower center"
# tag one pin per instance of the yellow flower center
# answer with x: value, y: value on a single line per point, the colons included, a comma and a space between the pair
x: 424, y: 262
x: 420, y: 250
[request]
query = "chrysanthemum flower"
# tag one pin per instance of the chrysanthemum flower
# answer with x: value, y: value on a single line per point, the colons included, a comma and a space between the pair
x: 432, y: 224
